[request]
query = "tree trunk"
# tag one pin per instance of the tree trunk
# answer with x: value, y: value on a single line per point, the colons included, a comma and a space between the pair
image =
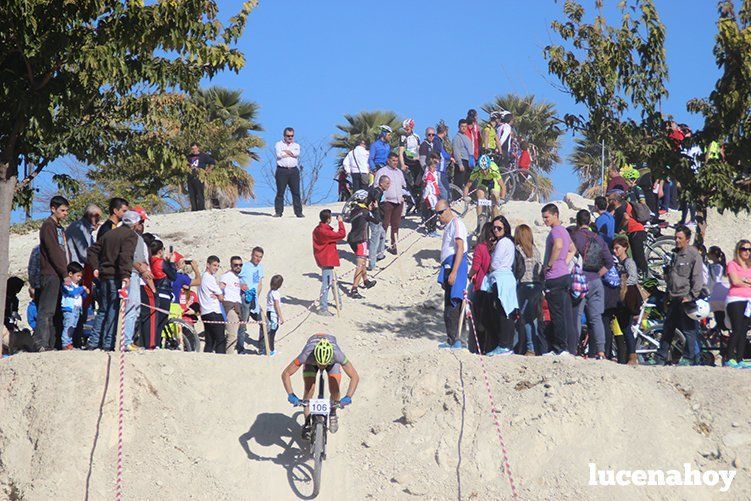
x: 7, y: 189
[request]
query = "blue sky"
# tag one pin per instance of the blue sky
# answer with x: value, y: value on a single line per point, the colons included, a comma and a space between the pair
x: 309, y: 63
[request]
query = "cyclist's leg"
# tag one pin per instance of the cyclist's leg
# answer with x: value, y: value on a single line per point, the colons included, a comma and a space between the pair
x: 309, y: 373
x: 481, y: 195
x: 496, y: 198
x: 335, y: 378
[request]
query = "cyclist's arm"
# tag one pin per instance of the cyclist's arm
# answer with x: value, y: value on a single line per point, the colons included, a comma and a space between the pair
x: 287, y: 375
x: 354, y: 378
x: 401, y: 158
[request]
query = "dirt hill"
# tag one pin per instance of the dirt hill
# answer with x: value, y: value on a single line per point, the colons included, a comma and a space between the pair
x: 218, y: 427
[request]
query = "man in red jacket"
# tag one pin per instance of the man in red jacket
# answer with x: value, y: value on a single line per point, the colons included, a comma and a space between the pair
x: 326, y: 254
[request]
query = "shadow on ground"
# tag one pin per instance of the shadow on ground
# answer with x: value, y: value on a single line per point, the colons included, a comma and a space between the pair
x: 283, y: 433
x: 420, y: 321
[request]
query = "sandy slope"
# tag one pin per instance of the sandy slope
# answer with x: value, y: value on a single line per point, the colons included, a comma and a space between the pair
x: 218, y: 427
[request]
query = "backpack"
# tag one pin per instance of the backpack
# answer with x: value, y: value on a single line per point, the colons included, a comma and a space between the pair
x: 519, y: 268
x: 592, y: 259
x: 612, y: 278
x: 641, y: 210
x: 579, y: 285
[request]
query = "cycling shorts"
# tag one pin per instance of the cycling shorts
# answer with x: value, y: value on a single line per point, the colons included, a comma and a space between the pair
x: 334, y: 371
x: 487, y: 186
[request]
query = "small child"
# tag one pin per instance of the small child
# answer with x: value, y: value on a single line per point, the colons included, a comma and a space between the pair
x: 431, y: 192
x: 31, y: 310
x: 72, y: 303
x: 273, y: 315
x: 525, y: 160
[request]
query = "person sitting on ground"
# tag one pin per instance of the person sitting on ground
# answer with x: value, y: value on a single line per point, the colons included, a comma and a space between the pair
x: 326, y: 254
x: 72, y: 302
x: 431, y: 193
x: 209, y: 297
x: 358, y: 240
x: 453, y: 273
x: 274, y: 315
x: 321, y: 352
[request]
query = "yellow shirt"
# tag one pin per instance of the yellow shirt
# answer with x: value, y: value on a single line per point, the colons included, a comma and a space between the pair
x: 489, y: 132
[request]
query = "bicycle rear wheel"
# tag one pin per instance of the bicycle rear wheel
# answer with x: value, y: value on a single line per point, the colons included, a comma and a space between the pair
x: 318, y: 440
x: 658, y: 255
x: 179, y: 335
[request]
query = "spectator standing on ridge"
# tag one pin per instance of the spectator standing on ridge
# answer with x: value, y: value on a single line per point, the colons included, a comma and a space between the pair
x: 453, y: 273
x: 111, y: 258
x: 141, y: 273
x: 605, y: 223
x: 251, y: 283
x: 287, y: 172
x: 473, y: 131
x: 409, y: 159
x: 377, y: 235
x: 559, y: 249
x: 685, y: 281
x: 441, y: 133
x: 358, y: 240
x: 198, y: 161
x: 72, y: 302
x: 54, y: 259
x: 117, y: 207
x: 393, y: 203
x: 209, y: 297
x: 737, y: 304
x: 80, y: 233
x: 617, y: 182
x: 356, y: 165
x: 596, y: 261
x: 326, y: 254
x: 380, y: 149
x: 230, y: 284
x: 637, y: 236
x: 433, y: 145
x: 463, y: 154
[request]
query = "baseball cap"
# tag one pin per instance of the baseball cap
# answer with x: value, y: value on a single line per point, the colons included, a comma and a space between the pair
x: 141, y: 212
x: 131, y: 218
x: 176, y: 257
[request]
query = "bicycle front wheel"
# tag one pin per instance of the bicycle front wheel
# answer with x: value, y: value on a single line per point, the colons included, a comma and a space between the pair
x: 318, y: 440
x: 658, y: 255
x: 179, y: 335
x: 458, y: 204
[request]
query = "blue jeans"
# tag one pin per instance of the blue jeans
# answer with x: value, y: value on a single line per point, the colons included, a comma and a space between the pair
x: 106, y: 317
x: 445, y: 192
x: 530, y: 295
x: 676, y: 318
x: 594, y: 305
x: 132, y: 307
x: 70, y: 321
x: 242, y: 331
x: 327, y: 278
x: 376, y: 243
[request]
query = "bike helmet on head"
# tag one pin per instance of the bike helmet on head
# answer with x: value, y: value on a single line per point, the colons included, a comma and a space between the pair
x: 484, y: 162
x: 324, y: 352
x: 360, y: 196
x: 495, y: 115
x: 696, y: 310
x: 630, y: 174
x: 408, y: 123
x: 385, y: 129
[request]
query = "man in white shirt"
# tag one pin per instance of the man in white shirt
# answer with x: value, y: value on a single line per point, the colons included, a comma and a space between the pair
x: 209, y: 295
x: 230, y: 283
x: 287, y: 172
x: 453, y: 274
x: 356, y: 165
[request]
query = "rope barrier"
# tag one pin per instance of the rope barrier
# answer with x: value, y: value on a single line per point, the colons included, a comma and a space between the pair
x: 493, y: 411
x: 121, y: 399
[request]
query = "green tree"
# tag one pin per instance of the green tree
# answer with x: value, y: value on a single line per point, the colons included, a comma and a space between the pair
x: 618, y: 73
x: 72, y: 71
x: 364, y: 126
x: 727, y: 114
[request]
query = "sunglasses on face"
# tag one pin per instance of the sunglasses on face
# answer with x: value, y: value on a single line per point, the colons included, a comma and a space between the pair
x: 237, y: 265
x: 440, y: 212
x: 289, y: 136
x: 431, y: 135
x: 497, y: 228
x: 745, y: 249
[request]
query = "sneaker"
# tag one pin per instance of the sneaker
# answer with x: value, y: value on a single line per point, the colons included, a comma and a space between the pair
x: 354, y: 294
x: 434, y: 234
x: 325, y: 313
x: 444, y: 346
x: 564, y: 353
x: 273, y: 353
x: 391, y: 250
x: 744, y: 364
x: 380, y: 258
x: 369, y: 283
x: 530, y: 354
x: 684, y: 362
x: 333, y: 423
x: 499, y: 351
x: 68, y: 347
x: 277, y: 215
x: 132, y: 347
x: 457, y: 346
x: 732, y: 364
x: 657, y: 362
x: 300, y: 215
x: 549, y: 354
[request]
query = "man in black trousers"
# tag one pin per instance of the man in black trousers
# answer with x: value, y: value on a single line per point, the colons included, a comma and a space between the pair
x: 197, y: 160
x: 287, y: 172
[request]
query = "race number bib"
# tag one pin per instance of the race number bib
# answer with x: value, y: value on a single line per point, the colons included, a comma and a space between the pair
x: 319, y: 406
x: 484, y: 202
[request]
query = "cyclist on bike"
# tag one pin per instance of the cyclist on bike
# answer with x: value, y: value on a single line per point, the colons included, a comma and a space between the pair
x: 486, y: 178
x: 321, y: 352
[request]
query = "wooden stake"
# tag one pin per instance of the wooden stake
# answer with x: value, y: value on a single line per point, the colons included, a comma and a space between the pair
x: 337, y: 299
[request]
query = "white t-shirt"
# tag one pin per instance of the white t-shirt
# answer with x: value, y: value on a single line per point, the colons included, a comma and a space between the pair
x: 206, y: 292
x: 270, y: 298
x: 503, y: 255
x: 231, y: 287
x: 455, y: 229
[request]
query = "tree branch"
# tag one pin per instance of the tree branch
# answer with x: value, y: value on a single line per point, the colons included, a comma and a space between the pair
x: 28, y: 179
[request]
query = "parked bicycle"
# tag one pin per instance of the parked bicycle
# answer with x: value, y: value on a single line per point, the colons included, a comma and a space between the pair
x: 179, y: 334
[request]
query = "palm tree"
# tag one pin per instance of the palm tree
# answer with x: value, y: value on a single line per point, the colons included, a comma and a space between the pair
x: 364, y: 126
x: 587, y: 162
x: 229, y: 122
x: 535, y: 121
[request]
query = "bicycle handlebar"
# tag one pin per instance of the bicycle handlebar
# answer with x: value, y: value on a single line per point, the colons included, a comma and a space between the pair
x: 335, y: 404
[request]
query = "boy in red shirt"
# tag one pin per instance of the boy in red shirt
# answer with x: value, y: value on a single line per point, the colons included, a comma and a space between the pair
x: 326, y: 254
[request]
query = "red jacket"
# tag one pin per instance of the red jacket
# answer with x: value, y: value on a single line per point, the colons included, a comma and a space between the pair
x: 324, y: 244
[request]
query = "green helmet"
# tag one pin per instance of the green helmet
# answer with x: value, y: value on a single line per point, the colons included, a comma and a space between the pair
x: 324, y: 352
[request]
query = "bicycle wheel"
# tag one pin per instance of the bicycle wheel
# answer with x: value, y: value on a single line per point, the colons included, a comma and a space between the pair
x: 318, y: 439
x: 509, y: 179
x: 646, y: 349
x: 525, y: 186
x: 458, y: 204
x: 658, y: 255
x: 179, y: 335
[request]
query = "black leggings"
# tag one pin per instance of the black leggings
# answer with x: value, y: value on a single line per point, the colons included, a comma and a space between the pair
x: 741, y: 324
x: 636, y: 241
x: 215, y: 340
x: 625, y: 321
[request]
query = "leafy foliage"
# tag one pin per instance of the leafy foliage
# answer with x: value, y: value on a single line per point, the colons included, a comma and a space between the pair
x: 364, y: 126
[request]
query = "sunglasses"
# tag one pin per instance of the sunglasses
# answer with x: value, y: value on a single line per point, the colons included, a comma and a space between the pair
x: 289, y: 136
x: 236, y: 265
x: 439, y: 212
x: 498, y: 228
x: 745, y: 249
x: 431, y: 135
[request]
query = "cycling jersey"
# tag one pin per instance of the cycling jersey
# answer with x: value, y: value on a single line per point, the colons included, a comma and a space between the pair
x: 489, y: 133
x: 490, y: 177
x: 306, y: 355
x: 411, y: 145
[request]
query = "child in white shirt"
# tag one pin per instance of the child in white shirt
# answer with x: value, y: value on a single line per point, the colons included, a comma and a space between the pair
x: 274, y: 315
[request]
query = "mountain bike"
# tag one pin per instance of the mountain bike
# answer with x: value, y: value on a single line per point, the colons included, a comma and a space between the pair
x: 648, y: 331
x: 179, y: 334
x: 658, y: 249
x: 320, y: 409
x: 521, y: 184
